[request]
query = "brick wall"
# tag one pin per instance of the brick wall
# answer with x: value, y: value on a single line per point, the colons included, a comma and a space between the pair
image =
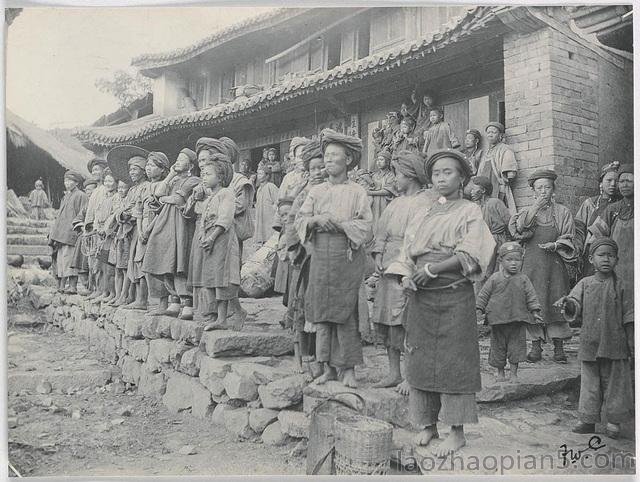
x: 555, y: 115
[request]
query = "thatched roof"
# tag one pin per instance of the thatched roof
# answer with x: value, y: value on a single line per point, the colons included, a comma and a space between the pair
x: 69, y: 155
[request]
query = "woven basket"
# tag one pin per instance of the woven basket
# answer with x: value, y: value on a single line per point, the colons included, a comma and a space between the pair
x: 363, y: 445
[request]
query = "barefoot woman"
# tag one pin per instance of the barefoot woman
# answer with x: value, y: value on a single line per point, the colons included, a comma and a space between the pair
x: 446, y: 247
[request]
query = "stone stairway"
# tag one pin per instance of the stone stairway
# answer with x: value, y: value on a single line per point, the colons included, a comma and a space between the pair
x: 28, y: 237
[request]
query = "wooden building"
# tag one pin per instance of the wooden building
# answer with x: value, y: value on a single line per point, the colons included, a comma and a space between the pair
x: 294, y: 71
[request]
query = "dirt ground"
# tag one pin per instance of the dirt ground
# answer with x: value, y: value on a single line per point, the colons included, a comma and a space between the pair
x: 94, y: 428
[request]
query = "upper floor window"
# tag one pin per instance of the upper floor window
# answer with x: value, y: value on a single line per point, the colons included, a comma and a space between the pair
x: 387, y: 27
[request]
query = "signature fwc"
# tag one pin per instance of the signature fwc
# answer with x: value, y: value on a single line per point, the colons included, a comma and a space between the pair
x: 574, y: 455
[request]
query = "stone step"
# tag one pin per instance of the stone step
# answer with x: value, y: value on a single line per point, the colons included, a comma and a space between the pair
x: 225, y: 343
x: 27, y: 230
x: 13, y: 221
x: 31, y: 260
x: 29, y: 250
x: 27, y: 239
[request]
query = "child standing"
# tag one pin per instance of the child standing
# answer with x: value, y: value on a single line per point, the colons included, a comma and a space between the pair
x: 63, y: 237
x: 281, y: 282
x: 218, y: 240
x: 104, y: 213
x: 439, y: 135
x: 336, y: 220
x: 605, y: 307
x: 507, y: 302
x: 266, y: 207
x: 117, y: 249
x: 38, y: 200
x: 383, y: 188
x: 80, y: 261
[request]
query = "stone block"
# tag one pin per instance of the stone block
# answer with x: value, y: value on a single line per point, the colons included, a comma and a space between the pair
x: 259, y: 418
x: 184, y: 392
x: 131, y: 370
x: 187, y: 331
x: 154, y: 327
x: 133, y: 325
x: 273, y: 435
x: 138, y: 349
x: 240, y: 387
x: 190, y: 362
x: 152, y: 384
x: 225, y: 343
x: 217, y: 416
x: 120, y: 317
x: 40, y: 296
x: 284, y: 392
x: 259, y: 374
x: 237, y: 422
x: 295, y: 424
x: 213, y: 370
x: 159, y: 354
x: 177, y: 350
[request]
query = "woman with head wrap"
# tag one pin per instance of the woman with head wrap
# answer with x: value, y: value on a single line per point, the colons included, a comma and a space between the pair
x: 63, y: 237
x: 304, y: 331
x: 383, y: 186
x: 390, y: 297
x: 494, y: 213
x: 498, y: 163
x: 617, y: 222
x: 335, y: 220
x: 593, y: 207
x: 471, y: 149
x: 547, y: 231
x: 295, y: 179
x: 446, y: 247
x: 129, y: 163
x: 147, y: 207
x: 167, y: 258
x: 272, y: 166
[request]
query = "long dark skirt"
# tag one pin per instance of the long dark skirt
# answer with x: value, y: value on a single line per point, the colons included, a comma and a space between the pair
x: 79, y: 261
x: 442, y: 353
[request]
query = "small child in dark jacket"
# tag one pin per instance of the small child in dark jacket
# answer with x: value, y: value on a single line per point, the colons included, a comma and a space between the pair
x: 507, y: 302
x: 604, y: 309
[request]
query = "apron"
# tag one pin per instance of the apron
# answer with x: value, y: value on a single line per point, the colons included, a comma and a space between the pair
x: 622, y: 233
x: 547, y: 272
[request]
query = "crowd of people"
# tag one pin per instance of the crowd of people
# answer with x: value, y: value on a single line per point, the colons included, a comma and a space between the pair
x: 434, y: 227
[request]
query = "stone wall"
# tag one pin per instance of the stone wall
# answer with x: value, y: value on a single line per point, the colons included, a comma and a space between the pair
x: 245, y: 381
x: 557, y: 115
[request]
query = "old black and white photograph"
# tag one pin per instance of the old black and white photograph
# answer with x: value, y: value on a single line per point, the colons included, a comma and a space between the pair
x: 377, y: 239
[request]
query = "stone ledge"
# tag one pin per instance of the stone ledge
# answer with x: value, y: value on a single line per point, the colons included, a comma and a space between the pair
x: 244, y: 343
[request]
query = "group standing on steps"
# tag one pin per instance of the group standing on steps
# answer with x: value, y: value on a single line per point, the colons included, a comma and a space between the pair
x: 438, y: 226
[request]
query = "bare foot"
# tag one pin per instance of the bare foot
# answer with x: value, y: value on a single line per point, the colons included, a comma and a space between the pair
x: 425, y: 436
x: 216, y: 325
x: 157, y: 312
x: 328, y: 375
x: 388, y: 381
x: 136, y: 305
x: 403, y: 388
x: 349, y: 378
x: 454, y: 442
x: 238, y: 320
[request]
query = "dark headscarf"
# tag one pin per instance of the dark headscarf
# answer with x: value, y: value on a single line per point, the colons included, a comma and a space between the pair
x: 602, y: 241
x: 465, y: 169
x: 484, y: 183
x: 510, y: 247
x: 542, y: 174
x: 475, y: 133
x: 384, y: 153
x: 408, y: 162
x: 607, y: 168
x: 352, y: 144
x: 232, y: 149
x: 137, y: 161
x: 193, y: 158
x: 96, y: 162
x: 497, y: 125
x: 625, y: 169
x: 210, y: 144
x: 160, y: 159
x: 311, y: 150
x: 76, y: 176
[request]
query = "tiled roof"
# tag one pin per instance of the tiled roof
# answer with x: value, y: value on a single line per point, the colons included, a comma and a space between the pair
x: 150, y: 126
x: 163, y: 59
